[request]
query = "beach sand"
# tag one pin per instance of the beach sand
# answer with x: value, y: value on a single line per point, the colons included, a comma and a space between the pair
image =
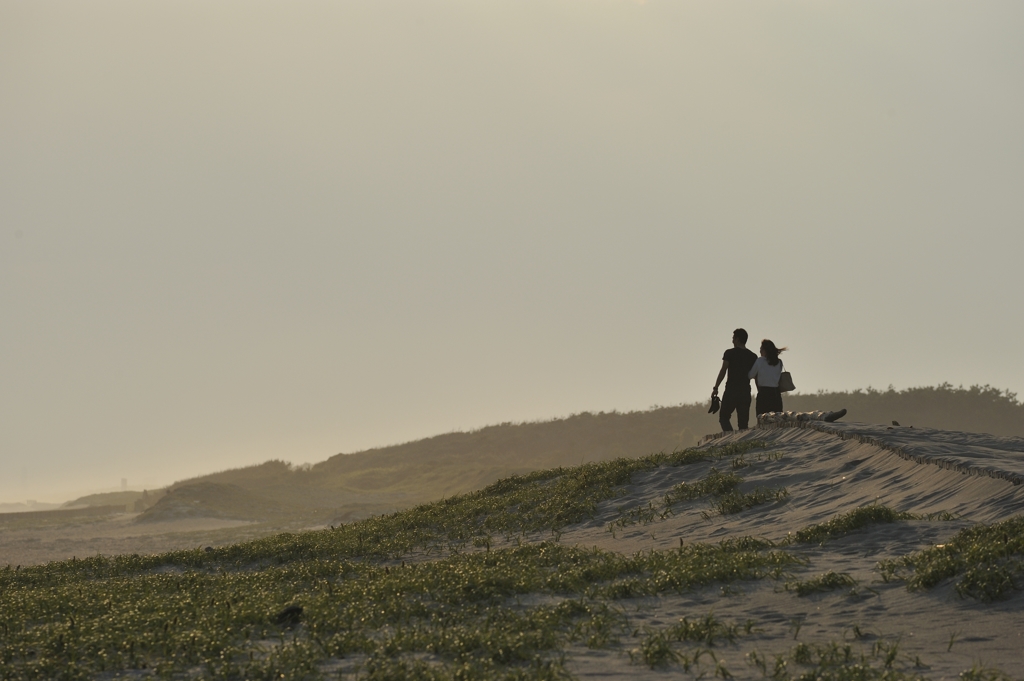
x: 28, y: 543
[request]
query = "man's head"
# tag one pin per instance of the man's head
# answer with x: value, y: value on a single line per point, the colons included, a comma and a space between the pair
x: 739, y: 336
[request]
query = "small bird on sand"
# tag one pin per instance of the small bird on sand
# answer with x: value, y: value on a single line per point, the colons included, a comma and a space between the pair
x: 289, y: 617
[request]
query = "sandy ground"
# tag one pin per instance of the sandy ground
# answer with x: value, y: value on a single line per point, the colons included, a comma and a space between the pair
x: 825, y: 476
x: 34, y: 544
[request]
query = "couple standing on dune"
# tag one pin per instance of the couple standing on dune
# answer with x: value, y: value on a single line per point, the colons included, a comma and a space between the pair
x: 741, y: 365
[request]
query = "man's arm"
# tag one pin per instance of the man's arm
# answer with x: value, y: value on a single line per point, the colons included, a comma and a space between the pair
x: 721, y: 374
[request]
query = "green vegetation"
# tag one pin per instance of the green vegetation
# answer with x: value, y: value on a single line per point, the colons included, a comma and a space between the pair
x: 726, y: 499
x: 836, y: 662
x: 829, y: 581
x: 987, y: 560
x: 72, y: 620
x: 804, y: 662
x: 713, y: 484
x: 844, y: 524
x: 655, y: 650
x: 656, y: 645
x: 735, y: 502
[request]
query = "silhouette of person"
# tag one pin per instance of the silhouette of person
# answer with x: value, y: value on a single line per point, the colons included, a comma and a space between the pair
x: 736, y: 363
x: 766, y: 373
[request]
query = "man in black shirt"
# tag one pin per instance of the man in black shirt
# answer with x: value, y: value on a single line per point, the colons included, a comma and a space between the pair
x: 736, y: 362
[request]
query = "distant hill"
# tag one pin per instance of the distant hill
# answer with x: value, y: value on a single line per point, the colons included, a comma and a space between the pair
x: 133, y: 501
x: 127, y: 498
x: 351, y: 486
x: 207, y: 499
x: 389, y: 478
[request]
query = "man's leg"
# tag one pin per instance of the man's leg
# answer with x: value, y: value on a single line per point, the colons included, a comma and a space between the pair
x: 743, y: 410
x: 725, y: 413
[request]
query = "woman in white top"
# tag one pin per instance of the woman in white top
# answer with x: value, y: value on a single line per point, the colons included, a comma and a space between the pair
x: 766, y: 371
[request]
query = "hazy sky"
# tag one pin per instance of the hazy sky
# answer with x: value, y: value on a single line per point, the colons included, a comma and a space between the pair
x: 234, y: 230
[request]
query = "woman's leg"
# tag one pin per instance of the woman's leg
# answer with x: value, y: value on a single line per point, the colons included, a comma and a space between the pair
x: 768, y: 399
x: 761, y: 407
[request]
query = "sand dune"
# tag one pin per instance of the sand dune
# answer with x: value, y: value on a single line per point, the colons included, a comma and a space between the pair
x: 950, y: 480
x: 828, y: 473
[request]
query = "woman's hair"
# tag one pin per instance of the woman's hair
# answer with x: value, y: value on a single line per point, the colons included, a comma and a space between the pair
x: 771, y: 352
